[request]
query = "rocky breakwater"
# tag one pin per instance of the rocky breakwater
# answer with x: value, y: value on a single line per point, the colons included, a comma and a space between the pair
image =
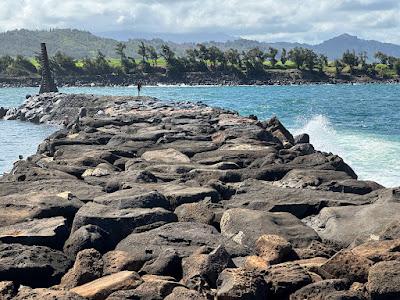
x: 142, y: 199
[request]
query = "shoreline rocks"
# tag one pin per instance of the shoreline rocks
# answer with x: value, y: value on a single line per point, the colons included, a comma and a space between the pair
x: 135, y: 198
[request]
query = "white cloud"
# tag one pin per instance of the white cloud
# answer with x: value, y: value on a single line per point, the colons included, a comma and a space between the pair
x: 271, y: 20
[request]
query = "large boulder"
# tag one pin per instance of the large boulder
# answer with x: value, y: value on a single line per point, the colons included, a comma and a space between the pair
x: 384, y: 281
x: 284, y: 279
x: 19, y: 207
x: 166, y: 156
x: 153, y: 287
x: 101, y: 288
x: 342, y: 225
x: 51, y: 232
x: 182, y: 293
x: 261, y: 195
x: 44, y: 294
x: 379, y: 250
x: 274, y: 249
x: 119, y: 222
x: 245, y: 226
x: 86, y: 237
x: 205, y: 267
x: 88, y: 266
x: 184, y: 238
x: 241, y: 284
x: 320, y: 290
x: 35, y: 266
x: 131, y: 199
x: 346, y: 265
x: 116, y: 261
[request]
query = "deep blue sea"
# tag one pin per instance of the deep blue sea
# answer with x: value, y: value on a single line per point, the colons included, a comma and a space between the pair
x: 361, y: 123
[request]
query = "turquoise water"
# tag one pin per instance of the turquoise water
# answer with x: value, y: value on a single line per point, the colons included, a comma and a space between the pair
x: 361, y: 123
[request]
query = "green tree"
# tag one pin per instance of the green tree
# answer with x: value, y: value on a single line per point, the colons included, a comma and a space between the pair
x: 322, y: 61
x: 338, y: 67
x: 233, y: 57
x: 153, y: 54
x: 363, y: 57
x: 397, y: 67
x: 283, y: 56
x: 63, y: 64
x: 272, y: 52
x: 350, y: 58
x: 310, y: 59
x: 214, y: 55
x: 5, y: 61
x: 382, y: 57
x: 297, y: 56
x: 142, y: 51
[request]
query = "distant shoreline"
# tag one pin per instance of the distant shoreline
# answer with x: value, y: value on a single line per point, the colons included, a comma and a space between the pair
x: 196, y: 79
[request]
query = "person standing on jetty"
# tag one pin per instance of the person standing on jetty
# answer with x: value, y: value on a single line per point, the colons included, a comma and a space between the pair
x: 139, y: 88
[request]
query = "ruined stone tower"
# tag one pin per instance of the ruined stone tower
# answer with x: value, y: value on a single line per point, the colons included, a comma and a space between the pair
x: 47, y: 85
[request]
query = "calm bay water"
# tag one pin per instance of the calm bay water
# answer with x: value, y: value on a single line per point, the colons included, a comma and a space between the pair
x: 361, y: 123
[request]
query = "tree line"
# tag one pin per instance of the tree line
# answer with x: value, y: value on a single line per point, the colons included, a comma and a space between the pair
x: 251, y: 63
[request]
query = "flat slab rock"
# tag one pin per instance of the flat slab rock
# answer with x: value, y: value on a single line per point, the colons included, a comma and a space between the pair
x: 17, y: 208
x: 51, y: 232
x: 342, y: 225
x: 245, y: 226
x: 119, y: 222
x: 35, y: 266
x: 183, y: 237
x: 261, y: 195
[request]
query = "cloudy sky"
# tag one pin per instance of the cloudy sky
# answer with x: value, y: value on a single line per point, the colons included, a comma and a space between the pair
x: 267, y: 20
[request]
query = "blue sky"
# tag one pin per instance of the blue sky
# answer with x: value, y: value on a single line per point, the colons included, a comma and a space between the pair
x: 266, y: 20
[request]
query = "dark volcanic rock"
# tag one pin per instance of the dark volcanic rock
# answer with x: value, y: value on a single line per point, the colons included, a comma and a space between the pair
x: 245, y: 226
x: 34, y: 266
x: 50, y: 232
x: 131, y: 199
x: 241, y: 284
x: 184, y: 238
x: 284, y: 279
x: 319, y: 290
x: 347, y: 265
x: 259, y: 195
x: 384, y: 281
x: 86, y: 237
x: 342, y: 225
x: 119, y: 222
x: 17, y: 208
x: 88, y: 266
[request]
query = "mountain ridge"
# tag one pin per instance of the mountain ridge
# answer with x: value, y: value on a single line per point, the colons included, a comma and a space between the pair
x: 79, y: 43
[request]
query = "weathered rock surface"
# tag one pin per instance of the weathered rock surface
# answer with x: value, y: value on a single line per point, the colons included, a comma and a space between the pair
x: 384, y: 281
x: 284, y: 279
x: 119, y: 222
x: 347, y: 265
x: 320, y: 290
x: 35, y: 266
x: 274, y: 249
x: 184, y: 238
x: 342, y: 225
x: 86, y: 237
x: 88, y: 267
x: 245, y: 226
x: 50, y: 232
x: 103, y: 287
x: 241, y: 284
x: 184, y: 201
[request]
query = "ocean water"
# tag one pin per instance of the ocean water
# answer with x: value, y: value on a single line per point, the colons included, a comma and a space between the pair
x: 361, y: 123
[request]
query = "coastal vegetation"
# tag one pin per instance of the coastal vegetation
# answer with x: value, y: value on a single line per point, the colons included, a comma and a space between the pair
x: 253, y: 63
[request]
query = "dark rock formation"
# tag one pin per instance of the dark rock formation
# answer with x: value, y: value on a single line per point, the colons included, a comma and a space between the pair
x: 154, y: 200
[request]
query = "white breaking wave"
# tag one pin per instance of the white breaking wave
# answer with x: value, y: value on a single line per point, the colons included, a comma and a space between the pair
x: 371, y: 157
